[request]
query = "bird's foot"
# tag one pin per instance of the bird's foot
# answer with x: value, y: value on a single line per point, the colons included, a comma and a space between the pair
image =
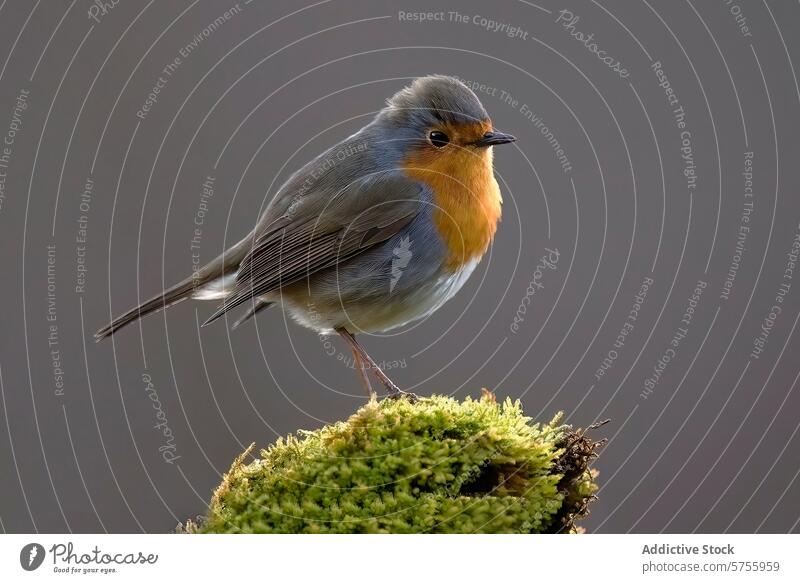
x: 396, y: 393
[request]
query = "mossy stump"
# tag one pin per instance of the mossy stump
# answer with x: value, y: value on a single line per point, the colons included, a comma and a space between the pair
x: 435, y: 466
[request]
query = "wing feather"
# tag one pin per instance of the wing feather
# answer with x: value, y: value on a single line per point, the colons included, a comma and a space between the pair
x: 317, y: 236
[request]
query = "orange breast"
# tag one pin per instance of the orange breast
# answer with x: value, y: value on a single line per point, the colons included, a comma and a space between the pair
x: 467, y: 198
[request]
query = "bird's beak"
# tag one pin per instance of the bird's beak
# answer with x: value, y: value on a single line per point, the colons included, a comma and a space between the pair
x: 494, y: 139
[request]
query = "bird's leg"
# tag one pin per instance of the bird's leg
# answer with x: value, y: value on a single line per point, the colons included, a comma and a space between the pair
x: 362, y: 371
x: 393, y: 389
x: 368, y: 362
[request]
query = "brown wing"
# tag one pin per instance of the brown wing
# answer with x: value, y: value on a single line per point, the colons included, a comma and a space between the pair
x: 316, y: 234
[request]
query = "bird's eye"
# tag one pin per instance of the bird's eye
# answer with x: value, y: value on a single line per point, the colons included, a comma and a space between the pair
x: 439, y: 139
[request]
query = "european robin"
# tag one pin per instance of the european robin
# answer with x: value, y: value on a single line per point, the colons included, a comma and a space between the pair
x: 376, y: 232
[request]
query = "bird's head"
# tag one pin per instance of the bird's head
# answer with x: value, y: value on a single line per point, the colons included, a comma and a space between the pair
x: 440, y: 117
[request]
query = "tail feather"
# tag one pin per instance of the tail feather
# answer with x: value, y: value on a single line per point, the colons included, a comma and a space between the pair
x: 169, y: 298
x: 225, y: 264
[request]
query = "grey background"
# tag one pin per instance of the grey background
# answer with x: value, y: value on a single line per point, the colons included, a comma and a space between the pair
x: 714, y: 447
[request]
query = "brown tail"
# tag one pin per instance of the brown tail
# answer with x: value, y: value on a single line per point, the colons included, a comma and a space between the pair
x: 224, y: 264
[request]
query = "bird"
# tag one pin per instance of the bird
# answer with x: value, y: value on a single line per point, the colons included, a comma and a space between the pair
x: 377, y: 231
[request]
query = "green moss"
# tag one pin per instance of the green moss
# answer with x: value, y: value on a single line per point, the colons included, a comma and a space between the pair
x: 399, y: 467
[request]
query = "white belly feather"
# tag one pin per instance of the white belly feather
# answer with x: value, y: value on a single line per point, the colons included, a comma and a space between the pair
x: 391, y: 312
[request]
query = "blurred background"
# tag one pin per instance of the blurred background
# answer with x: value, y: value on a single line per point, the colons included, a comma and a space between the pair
x: 644, y: 270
